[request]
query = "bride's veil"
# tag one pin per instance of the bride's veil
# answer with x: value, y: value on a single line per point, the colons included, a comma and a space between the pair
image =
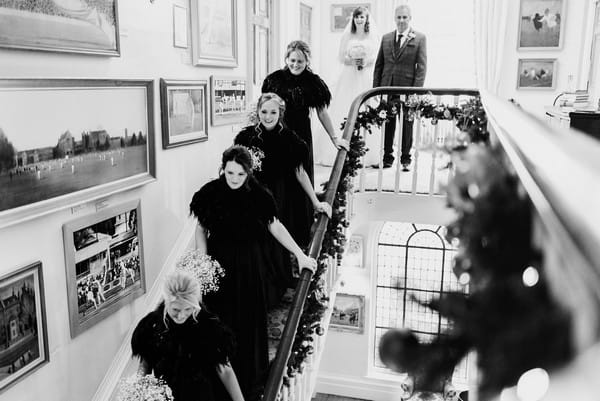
x: 373, y: 35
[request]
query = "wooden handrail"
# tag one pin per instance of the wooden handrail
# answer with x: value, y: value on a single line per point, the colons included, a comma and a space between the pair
x: 284, y: 349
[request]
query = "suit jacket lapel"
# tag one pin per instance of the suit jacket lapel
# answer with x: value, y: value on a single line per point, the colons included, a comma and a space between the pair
x: 408, y: 39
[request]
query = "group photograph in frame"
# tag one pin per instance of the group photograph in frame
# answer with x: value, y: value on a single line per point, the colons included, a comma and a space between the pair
x: 537, y: 74
x: 104, y: 262
x: 342, y: 13
x: 23, y: 329
x: 68, y: 141
x: 348, y: 313
x: 541, y: 24
x: 184, y: 112
x: 229, y: 100
x: 214, y: 33
x: 61, y: 26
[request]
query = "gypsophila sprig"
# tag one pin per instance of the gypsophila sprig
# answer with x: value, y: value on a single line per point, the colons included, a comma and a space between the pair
x: 204, y: 268
x: 144, y: 388
x: 257, y: 157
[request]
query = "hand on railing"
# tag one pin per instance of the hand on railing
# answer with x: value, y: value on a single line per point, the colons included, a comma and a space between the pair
x: 304, y: 262
x: 323, y: 207
x: 341, y: 143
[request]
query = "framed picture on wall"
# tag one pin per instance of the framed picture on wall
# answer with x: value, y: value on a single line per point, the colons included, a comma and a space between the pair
x: 61, y: 26
x: 184, y: 112
x: 228, y: 98
x: 541, y: 24
x: 180, y: 18
x: 348, y: 313
x: 537, y: 73
x: 305, y: 23
x: 69, y: 141
x: 23, y: 330
x: 104, y: 255
x: 342, y: 13
x: 354, y: 253
x: 214, y: 33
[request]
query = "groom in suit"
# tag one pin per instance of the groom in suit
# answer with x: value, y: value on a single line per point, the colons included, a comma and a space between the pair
x: 401, y: 61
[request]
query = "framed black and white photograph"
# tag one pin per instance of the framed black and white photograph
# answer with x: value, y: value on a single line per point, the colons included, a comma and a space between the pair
x: 354, y: 253
x: 214, y: 33
x: 180, y: 18
x: 104, y: 261
x: 23, y: 330
x: 348, y: 313
x: 541, y: 24
x: 228, y: 98
x: 61, y: 26
x: 537, y: 74
x: 68, y: 141
x: 306, y: 23
x: 184, y: 112
x: 342, y: 13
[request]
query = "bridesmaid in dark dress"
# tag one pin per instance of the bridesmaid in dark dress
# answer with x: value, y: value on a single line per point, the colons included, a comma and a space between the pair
x: 302, y: 90
x: 283, y: 172
x: 236, y: 217
x: 186, y: 346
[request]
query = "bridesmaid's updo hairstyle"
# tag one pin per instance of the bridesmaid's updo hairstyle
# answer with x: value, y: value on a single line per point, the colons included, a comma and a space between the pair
x: 265, y: 97
x: 240, y: 155
x: 298, y: 46
x: 181, y: 286
x: 360, y: 11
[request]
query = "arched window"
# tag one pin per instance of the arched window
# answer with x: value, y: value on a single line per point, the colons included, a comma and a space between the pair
x: 414, y: 262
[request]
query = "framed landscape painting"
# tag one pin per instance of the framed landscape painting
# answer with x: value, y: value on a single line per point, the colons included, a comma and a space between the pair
x: 68, y: 141
x: 23, y: 330
x: 184, y: 112
x: 537, y: 74
x: 228, y: 95
x: 342, y: 13
x: 104, y: 263
x: 214, y: 33
x: 541, y: 24
x: 90, y: 27
x: 348, y: 313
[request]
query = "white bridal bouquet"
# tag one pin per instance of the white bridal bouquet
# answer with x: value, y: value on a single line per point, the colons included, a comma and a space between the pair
x: 357, y: 52
x: 144, y: 388
x: 204, y: 268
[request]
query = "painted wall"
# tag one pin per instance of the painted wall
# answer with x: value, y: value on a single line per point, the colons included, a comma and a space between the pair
x: 345, y: 364
x: 78, y: 365
x: 570, y: 58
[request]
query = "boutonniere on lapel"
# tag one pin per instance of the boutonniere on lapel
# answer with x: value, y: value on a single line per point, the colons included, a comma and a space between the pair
x: 411, y: 35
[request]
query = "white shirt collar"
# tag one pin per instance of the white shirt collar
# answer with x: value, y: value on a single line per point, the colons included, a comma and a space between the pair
x: 404, y: 34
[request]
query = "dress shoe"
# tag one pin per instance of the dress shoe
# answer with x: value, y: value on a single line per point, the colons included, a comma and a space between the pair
x: 405, y: 166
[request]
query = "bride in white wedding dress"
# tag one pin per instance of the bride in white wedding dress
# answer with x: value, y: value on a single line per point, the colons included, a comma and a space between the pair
x: 358, y: 49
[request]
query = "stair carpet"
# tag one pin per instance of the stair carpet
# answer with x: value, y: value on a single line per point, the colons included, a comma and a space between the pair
x: 276, y: 319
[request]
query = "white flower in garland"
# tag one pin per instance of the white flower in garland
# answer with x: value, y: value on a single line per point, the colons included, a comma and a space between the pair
x: 202, y: 267
x: 144, y: 388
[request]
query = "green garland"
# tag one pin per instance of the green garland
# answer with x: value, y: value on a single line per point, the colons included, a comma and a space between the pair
x: 470, y: 118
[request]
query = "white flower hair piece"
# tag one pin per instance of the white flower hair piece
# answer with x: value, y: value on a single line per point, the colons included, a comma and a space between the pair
x: 144, y: 388
x: 203, y: 268
x: 257, y: 157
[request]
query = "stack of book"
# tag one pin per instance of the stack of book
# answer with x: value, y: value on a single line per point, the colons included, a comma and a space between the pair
x: 576, y: 100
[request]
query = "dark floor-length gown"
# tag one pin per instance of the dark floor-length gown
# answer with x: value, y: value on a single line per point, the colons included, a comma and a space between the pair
x: 301, y: 93
x: 284, y: 152
x: 185, y: 355
x: 236, y: 221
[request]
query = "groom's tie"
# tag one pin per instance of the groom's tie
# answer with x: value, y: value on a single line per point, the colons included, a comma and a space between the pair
x: 397, y: 45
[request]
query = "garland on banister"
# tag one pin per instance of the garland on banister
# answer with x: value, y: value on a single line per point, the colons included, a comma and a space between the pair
x: 470, y: 119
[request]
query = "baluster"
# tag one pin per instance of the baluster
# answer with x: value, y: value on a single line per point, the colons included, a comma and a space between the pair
x: 419, y: 134
x: 362, y: 175
x: 380, y: 169
x: 433, y: 156
x: 398, y: 143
